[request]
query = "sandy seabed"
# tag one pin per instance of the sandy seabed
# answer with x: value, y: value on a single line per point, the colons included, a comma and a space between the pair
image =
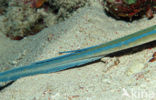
x: 126, y: 77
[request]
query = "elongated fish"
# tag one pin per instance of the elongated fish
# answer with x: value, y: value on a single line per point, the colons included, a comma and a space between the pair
x: 80, y: 57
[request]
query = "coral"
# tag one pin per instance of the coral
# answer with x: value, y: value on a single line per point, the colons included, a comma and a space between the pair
x: 3, y: 2
x: 21, y: 20
x: 28, y: 17
x: 65, y: 7
x: 130, y: 8
x: 35, y: 3
x: 3, y: 5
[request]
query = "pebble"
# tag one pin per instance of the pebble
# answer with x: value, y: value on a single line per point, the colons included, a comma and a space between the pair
x: 135, y: 68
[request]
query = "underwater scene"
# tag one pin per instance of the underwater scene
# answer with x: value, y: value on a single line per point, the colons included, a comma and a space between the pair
x: 77, y: 49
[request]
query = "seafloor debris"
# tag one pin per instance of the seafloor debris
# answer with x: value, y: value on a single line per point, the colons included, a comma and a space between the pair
x: 153, y: 58
x: 111, y: 63
x: 130, y: 8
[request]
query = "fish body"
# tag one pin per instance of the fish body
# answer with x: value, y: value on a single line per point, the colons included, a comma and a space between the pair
x: 80, y: 57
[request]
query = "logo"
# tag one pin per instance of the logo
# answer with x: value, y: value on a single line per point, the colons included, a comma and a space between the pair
x: 138, y: 93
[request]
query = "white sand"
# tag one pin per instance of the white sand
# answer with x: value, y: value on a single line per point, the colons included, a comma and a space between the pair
x: 98, y: 81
